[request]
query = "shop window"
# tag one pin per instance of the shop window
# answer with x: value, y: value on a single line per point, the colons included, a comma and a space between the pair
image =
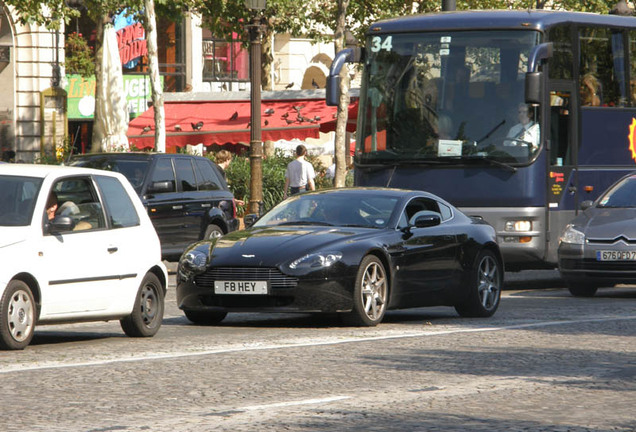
x: 224, y: 61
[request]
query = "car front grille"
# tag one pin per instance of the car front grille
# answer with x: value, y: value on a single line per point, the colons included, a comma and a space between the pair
x: 275, y: 277
x: 599, y: 266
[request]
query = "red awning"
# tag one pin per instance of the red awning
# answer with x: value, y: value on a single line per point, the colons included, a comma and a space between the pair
x: 330, y: 125
x: 226, y: 122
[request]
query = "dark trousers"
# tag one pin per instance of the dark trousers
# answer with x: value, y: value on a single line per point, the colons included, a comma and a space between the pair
x: 295, y: 190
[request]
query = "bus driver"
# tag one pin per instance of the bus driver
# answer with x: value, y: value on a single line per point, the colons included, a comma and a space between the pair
x: 526, y: 131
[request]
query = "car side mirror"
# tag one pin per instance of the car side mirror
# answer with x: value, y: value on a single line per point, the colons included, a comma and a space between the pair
x: 60, y: 224
x: 428, y: 220
x: 249, y: 220
x: 586, y: 204
x: 160, y: 187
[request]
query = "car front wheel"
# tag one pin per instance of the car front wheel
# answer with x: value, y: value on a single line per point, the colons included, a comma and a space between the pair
x: 145, y: 319
x: 369, y: 294
x: 205, y: 318
x: 485, y: 284
x: 17, y: 316
x: 581, y: 289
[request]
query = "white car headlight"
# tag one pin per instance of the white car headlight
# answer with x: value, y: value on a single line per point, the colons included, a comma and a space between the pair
x: 196, y: 260
x: 316, y: 260
x: 572, y: 235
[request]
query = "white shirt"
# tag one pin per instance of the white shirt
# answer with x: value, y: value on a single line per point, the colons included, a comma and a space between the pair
x: 299, y: 172
x: 528, y: 133
x: 331, y: 171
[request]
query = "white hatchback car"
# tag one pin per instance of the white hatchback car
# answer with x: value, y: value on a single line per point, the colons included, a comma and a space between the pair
x: 76, y: 245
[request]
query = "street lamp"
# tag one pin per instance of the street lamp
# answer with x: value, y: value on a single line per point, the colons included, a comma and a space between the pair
x: 256, y: 28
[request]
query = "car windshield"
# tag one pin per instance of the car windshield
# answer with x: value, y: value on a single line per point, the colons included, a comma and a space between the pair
x: 133, y: 169
x: 451, y: 97
x: 18, y: 196
x: 621, y: 195
x: 332, y: 209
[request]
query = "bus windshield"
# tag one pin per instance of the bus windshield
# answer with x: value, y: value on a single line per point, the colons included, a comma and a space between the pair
x: 453, y: 97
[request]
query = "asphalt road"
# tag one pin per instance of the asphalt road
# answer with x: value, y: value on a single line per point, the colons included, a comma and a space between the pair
x: 545, y: 362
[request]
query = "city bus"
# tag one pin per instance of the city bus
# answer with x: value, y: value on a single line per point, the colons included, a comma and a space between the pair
x: 517, y: 117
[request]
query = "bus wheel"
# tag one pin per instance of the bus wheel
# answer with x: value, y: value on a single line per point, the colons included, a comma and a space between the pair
x: 581, y: 289
x: 485, y: 284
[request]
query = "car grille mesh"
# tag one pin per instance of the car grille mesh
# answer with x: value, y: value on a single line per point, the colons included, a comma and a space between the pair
x: 276, y: 278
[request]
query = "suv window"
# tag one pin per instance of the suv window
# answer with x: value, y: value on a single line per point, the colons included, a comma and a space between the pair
x: 163, y: 173
x: 206, y: 177
x: 185, y: 174
x: 121, y: 210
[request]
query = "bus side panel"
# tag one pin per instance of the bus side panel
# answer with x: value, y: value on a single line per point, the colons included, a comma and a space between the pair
x: 466, y: 186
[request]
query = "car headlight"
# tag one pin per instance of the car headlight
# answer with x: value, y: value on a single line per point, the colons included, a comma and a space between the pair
x: 572, y: 235
x: 316, y: 260
x: 195, y: 260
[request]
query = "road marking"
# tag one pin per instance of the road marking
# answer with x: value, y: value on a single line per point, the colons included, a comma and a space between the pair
x: 293, y: 403
x: 327, y: 341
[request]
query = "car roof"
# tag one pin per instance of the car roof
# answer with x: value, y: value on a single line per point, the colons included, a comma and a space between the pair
x: 374, y: 191
x: 133, y: 155
x: 42, y: 171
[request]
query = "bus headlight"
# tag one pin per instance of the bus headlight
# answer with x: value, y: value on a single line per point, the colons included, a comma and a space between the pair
x: 518, y: 226
x: 572, y: 235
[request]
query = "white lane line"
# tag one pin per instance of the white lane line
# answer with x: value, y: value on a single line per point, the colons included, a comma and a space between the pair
x: 293, y: 403
x: 313, y: 343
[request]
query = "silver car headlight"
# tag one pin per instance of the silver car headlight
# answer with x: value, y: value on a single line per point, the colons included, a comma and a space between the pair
x: 572, y: 235
x: 196, y: 260
x: 316, y: 260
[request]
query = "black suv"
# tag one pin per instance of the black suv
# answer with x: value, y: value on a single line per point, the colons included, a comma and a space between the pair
x: 186, y: 196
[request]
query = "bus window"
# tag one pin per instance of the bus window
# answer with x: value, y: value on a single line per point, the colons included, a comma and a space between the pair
x: 562, y: 62
x: 602, y: 67
x: 632, y: 56
x: 561, y: 152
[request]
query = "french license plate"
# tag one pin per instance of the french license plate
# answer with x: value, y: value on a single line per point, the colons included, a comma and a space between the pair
x: 616, y: 255
x: 240, y: 287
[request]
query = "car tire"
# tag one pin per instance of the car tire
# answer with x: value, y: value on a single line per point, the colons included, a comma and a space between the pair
x: 147, y: 315
x: 484, y: 291
x: 581, y: 289
x: 17, y: 316
x: 213, y: 232
x: 205, y: 318
x: 370, y: 294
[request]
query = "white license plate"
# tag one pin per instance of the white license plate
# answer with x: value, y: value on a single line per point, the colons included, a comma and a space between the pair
x: 616, y: 255
x: 240, y: 287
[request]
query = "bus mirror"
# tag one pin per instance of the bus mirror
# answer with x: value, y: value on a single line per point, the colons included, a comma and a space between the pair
x: 534, y: 85
x: 348, y: 55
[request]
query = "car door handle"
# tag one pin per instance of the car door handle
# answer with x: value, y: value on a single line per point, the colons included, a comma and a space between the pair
x: 112, y: 249
x: 177, y: 207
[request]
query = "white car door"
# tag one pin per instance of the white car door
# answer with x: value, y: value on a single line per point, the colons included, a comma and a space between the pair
x: 80, y: 264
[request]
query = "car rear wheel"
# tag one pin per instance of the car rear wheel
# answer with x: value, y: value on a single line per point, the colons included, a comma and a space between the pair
x: 205, y: 318
x: 17, y: 316
x: 145, y: 319
x: 213, y: 232
x: 485, y: 284
x: 369, y: 294
x: 581, y: 289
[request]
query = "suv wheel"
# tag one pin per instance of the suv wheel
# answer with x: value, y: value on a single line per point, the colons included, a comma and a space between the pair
x: 213, y: 232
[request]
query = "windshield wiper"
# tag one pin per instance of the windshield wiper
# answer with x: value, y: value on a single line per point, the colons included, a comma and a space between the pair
x: 306, y: 222
x: 489, y: 161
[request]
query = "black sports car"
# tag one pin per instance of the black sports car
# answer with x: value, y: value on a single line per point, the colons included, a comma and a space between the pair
x: 598, y: 247
x: 356, y: 251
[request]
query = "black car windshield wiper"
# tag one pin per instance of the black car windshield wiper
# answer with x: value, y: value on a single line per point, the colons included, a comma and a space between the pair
x: 306, y: 222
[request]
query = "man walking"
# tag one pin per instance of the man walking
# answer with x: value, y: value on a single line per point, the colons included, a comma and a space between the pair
x: 300, y: 173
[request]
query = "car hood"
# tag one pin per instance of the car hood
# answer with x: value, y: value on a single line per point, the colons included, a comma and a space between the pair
x: 272, y: 246
x: 608, y: 223
x: 12, y: 235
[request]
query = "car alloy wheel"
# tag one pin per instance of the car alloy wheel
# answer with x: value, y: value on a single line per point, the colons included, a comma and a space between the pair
x: 370, y: 293
x: 484, y: 284
x: 18, y: 316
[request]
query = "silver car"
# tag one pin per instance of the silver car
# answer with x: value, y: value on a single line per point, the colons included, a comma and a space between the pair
x: 598, y: 248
